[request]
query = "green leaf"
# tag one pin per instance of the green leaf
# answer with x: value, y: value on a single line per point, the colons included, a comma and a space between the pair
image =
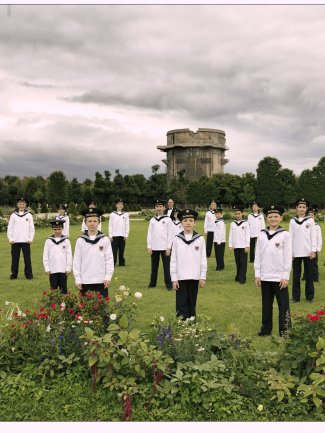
x: 123, y: 322
x: 123, y: 335
x: 92, y: 360
x: 280, y: 395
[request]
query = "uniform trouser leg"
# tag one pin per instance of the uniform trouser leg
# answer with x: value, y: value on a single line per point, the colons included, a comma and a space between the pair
x: 115, y: 248
x: 252, y: 244
x: 15, y: 254
x: 58, y: 280
x: 282, y: 297
x: 237, y: 261
x: 241, y: 263
x: 154, y: 268
x: 271, y: 289
x: 98, y: 287
x: 186, y: 297
x: 296, y: 273
x: 315, y: 268
x: 309, y: 283
x: 209, y: 244
x: 27, y: 260
x: 219, y: 251
x: 166, y: 265
x: 121, y: 248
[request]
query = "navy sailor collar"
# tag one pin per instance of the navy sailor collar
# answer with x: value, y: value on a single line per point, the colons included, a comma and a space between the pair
x: 277, y: 231
x: 255, y: 216
x: 117, y: 213
x: 62, y: 239
x: 239, y: 223
x: 160, y: 217
x: 24, y: 214
x: 86, y: 237
x: 296, y: 219
x: 194, y: 237
x: 220, y: 219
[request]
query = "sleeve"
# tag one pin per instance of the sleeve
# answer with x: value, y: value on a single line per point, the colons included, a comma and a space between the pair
x: 170, y: 233
x: 31, y: 229
x: 204, y: 263
x: 206, y: 223
x: 149, y: 235
x: 223, y: 239
x: 109, y: 261
x: 291, y: 234
x: 83, y: 225
x: 77, y: 262
x: 247, y: 236
x: 287, y: 257
x: 263, y: 222
x: 313, y: 238
x: 230, y: 241
x: 319, y: 238
x: 46, y: 261
x: 66, y: 226
x: 127, y: 225
x: 173, y: 262
x: 10, y: 229
x: 69, y: 256
x: 257, y: 260
x: 110, y: 225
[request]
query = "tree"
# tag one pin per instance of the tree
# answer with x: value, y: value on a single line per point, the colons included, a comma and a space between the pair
x: 319, y: 175
x: 288, y: 186
x: 57, y: 188
x: 268, y: 184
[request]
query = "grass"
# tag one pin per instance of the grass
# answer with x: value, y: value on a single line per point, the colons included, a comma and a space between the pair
x: 231, y: 306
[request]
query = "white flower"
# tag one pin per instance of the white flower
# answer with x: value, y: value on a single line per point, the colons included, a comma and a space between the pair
x: 138, y: 295
x: 260, y: 407
x: 125, y: 351
x: 118, y: 298
x: 112, y: 317
x: 126, y: 293
x: 62, y: 306
x: 48, y: 329
x: 8, y: 303
x: 192, y: 318
x: 19, y: 313
x: 161, y: 318
x: 200, y: 349
x: 122, y: 288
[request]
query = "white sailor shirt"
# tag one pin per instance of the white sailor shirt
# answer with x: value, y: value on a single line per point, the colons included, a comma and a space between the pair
x: 66, y: 224
x: 160, y: 233
x: 57, y: 255
x: 303, y: 235
x: 256, y: 224
x: 219, y: 236
x: 188, y: 258
x: 319, y: 238
x: 93, y: 261
x: 273, y: 256
x: 239, y: 234
x: 177, y: 227
x: 21, y: 227
x: 209, y: 221
x: 119, y: 224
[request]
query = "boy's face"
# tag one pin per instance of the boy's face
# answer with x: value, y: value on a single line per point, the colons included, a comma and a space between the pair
x: 57, y: 231
x: 159, y: 208
x: 273, y: 220
x: 238, y: 215
x: 311, y: 214
x: 92, y: 223
x: 188, y: 224
x: 213, y: 205
x: 119, y: 206
x: 218, y: 215
x: 61, y: 211
x: 301, y: 209
x: 21, y: 205
x: 255, y: 208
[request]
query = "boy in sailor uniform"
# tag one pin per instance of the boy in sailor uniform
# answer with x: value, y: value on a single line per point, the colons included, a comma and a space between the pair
x: 319, y: 240
x: 256, y: 223
x: 219, y: 239
x: 209, y: 221
x: 188, y: 266
x: 92, y: 204
x: 21, y: 233
x: 239, y: 238
x: 304, y: 246
x: 63, y: 216
x: 118, y: 231
x: 93, y: 262
x: 159, y: 243
x: 57, y: 256
x: 177, y: 225
x: 273, y: 261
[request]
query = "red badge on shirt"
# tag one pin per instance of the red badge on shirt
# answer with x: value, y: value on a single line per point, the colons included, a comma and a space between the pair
x: 101, y: 248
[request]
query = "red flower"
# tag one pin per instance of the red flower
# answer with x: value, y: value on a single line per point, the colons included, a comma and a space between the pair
x: 78, y: 315
x: 30, y: 322
x: 53, y: 305
x: 42, y: 309
x: 70, y: 310
x: 90, y: 295
x: 106, y: 298
x: 313, y: 318
x: 95, y: 307
x: 81, y: 305
x: 98, y: 295
x: 44, y: 293
x: 23, y: 325
x: 27, y: 311
x: 320, y: 312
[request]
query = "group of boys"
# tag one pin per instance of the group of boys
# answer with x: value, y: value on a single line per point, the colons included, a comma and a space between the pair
x: 184, y: 252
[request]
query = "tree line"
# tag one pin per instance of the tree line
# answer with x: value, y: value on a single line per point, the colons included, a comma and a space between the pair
x: 271, y: 184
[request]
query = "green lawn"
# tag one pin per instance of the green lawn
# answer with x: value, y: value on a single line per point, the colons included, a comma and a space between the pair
x: 230, y: 305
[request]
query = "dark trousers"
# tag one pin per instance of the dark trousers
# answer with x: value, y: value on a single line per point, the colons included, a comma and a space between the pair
x: 94, y: 288
x: 155, y: 265
x: 241, y: 264
x: 118, y: 245
x: 59, y: 281
x: 15, y: 254
x: 252, y: 244
x: 209, y: 243
x: 315, y: 268
x: 219, y: 251
x: 186, y: 297
x: 309, y: 283
x: 271, y: 289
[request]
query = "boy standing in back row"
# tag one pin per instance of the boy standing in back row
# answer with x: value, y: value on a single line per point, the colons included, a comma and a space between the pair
x: 239, y: 242
x: 118, y: 231
x: 256, y: 223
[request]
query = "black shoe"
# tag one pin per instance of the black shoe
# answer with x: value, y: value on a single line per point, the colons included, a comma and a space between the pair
x: 170, y: 289
x: 220, y: 269
x: 122, y: 264
x: 242, y: 282
x: 13, y: 277
x: 263, y: 334
x: 311, y: 301
x: 316, y: 280
x: 303, y: 279
x: 29, y: 278
x: 294, y: 301
x: 151, y: 287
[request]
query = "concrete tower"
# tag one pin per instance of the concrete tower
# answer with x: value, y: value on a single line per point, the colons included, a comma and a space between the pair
x: 200, y: 153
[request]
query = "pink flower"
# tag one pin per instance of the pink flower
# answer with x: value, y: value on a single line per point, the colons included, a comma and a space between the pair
x: 320, y: 312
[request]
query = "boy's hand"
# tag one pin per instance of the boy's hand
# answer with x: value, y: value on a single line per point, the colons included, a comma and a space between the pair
x: 47, y: 273
x: 230, y: 248
x: 258, y: 282
x: 202, y: 283
x: 283, y: 284
x: 175, y: 285
x: 312, y: 255
x: 149, y: 250
x: 167, y: 253
x: 79, y: 286
x: 246, y: 250
x: 106, y: 284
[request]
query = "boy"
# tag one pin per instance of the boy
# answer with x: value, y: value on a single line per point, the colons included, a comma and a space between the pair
x: 177, y: 225
x: 93, y: 263
x: 188, y: 265
x: 219, y: 240
x: 63, y: 216
x: 159, y: 243
x: 92, y: 204
x: 21, y: 233
x: 239, y: 239
x: 319, y: 240
x: 209, y: 221
x: 118, y: 231
x: 57, y: 256
x: 256, y: 223
x: 272, y: 266
x: 303, y: 235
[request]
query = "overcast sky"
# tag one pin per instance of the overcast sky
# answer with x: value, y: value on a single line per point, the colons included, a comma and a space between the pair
x: 89, y: 88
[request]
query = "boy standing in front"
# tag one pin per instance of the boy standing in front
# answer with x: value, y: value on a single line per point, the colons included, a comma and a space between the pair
x: 219, y: 239
x: 303, y: 235
x: 188, y: 265
x: 209, y: 221
x: 319, y: 240
x: 256, y: 223
x: 93, y: 263
x: 21, y: 233
x: 118, y: 231
x: 239, y: 239
x: 57, y: 257
x: 159, y: 243
x: 273, y: 260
